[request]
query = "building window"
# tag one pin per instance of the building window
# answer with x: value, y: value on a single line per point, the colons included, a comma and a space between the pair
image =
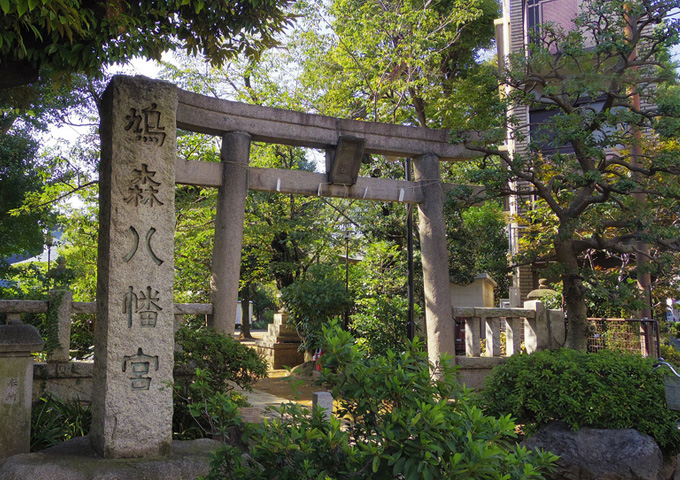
x: 542, y: 132
x: 561, y: 13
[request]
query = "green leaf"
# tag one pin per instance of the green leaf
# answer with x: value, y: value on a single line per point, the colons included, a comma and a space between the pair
x: 22, y: 7
x: 4, y: 4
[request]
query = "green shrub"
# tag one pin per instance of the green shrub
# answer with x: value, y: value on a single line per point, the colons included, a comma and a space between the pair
x: 208, y: 368
x: 313, y: 300
x: 381, y: 324
x: 673, y: 329
x: 210, y: 413
x: 54, y: 421
x: 671, y: 355
x: 402, y: 422
x: 609, y: 389
x: 229, y: 362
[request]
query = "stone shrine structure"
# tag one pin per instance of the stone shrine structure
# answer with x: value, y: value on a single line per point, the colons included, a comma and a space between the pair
x: 280, y: 344
x: 132, y: 410
x: 477, y: 294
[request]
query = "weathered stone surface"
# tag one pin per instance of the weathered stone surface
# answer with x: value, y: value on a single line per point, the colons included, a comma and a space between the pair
x: 16, y: 386
x: 281, y: 355
x: 280, y: 344
x: 229, y: 217
x: 134, y: 340
x: 77, y: 460
x: 68, y: 381
x: 200, y: 113
x: 474, y: 370
x: 323, y: 400
x: 20, y: 338
x: 557, y: 327
x: 65, y: 299
x: 595, y: 454
x: 432, y: 230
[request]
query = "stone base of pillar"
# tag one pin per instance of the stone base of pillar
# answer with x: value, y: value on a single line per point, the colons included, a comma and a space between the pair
x: 77, y: 459
x: 281, y: 355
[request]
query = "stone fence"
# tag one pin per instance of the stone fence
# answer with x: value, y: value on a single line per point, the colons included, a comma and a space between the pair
x: 66, y: 307
x: 491, y: 334
x: 60, y: 376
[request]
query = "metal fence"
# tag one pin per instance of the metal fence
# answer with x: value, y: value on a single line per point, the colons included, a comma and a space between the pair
x: 631, y: 335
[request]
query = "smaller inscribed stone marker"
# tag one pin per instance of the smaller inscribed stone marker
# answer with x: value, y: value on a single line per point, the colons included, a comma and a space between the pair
x: 134, y: 339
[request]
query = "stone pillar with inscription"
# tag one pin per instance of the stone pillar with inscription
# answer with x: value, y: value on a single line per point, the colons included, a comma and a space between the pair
x: 134, y: 341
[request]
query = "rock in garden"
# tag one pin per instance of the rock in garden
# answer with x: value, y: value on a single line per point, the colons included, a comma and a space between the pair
x: 595, y: 454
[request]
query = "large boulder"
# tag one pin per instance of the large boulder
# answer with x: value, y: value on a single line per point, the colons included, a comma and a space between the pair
x: 594, y: 454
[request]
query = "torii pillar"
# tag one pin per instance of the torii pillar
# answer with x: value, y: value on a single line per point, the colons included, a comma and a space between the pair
x: 229, y: 218
x: 432, y: 229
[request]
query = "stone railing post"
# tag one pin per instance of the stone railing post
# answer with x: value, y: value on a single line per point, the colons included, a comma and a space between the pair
x: 492, y: 326
x: 323, y: 400
x: 17, y: 342
x: 536, y: 329
x: 472, y: 337
x: 557, y: 330
x: 513, y: 333
x: 177, y: 322
x: 62, y: 301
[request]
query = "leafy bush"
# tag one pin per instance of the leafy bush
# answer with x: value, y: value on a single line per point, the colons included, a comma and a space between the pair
x: 381, y: 324
x: 229, y: 362
x: 609, y: 389
x: 315, y: 299
x: 209, y: 367
x: 402, y: 422
x: 54, y: 421
x: 673, y: 328
x: 671, y: 355
x: 380, y: 317
x: 212, y: 413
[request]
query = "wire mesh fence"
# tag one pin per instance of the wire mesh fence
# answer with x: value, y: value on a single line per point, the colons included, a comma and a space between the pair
x: 631, y: 335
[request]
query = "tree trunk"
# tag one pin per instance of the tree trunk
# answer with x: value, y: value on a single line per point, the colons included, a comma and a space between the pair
x: 246, y: 295
x: 574, y: 297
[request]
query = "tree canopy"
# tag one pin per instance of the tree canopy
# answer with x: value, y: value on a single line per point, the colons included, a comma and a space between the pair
x: 396, y: 61
x: 76, y: 36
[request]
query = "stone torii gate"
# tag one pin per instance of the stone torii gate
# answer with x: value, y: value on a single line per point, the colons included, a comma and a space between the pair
x: 132, y: 406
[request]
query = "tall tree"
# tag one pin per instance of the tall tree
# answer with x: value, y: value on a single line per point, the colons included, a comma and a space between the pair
x: 405, y: 62
x: 19, y: 233
x: 396, y: 61
x: 598, y: 85
x: 26, y: 174
x: 477, y: 242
